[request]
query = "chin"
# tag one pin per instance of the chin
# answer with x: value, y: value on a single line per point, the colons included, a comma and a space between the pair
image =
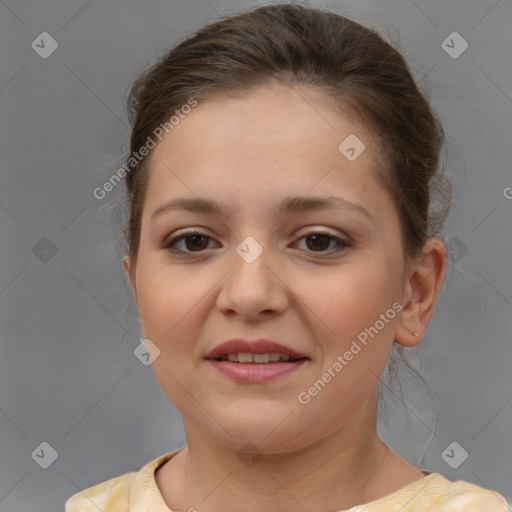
x: 267, y: 431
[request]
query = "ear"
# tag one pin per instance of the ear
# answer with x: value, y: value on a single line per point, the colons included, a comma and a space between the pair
x: 128, y: 272
x: 425, y: 276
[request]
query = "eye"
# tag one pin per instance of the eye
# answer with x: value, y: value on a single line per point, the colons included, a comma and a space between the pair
x: 320, y: 241
x: 194, y: 242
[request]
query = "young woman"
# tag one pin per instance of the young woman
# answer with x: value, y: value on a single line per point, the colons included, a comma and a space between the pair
x: 280, y: 243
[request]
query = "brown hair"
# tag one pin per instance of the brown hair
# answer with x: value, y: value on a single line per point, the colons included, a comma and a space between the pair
x: 297, y: 45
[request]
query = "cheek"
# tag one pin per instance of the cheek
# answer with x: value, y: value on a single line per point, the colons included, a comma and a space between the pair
x: 168, y: 305
x: 357, y: 294
x: 171, y: 307
x: 350, y: 305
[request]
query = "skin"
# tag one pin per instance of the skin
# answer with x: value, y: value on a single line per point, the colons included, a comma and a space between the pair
x: 247, y: 153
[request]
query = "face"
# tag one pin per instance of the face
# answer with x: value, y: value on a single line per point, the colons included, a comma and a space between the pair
x: 315, y: 280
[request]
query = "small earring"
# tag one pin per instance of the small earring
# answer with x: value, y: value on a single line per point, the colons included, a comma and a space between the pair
x: 413, y: 333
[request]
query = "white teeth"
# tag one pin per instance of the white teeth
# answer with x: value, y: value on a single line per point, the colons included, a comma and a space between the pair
x: 247, y: 357
x: 261, y: 358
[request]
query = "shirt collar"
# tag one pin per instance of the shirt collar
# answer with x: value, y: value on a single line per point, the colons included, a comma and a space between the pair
x: 145, y: 495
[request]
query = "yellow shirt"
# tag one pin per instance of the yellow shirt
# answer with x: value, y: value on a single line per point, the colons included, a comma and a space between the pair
x: 138, y: 492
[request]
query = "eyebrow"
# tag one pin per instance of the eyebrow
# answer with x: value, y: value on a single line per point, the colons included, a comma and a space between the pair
x: 288, y: 205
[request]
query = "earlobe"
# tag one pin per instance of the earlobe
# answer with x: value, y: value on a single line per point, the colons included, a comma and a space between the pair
x: 424, y: 280
x: 126, y: 265
x: 127, y: 270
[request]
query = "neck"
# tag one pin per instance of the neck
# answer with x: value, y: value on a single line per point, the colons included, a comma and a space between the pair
x: 337, y: 473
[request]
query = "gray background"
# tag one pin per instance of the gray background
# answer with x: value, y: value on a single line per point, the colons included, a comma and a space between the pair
x: 69, y: 326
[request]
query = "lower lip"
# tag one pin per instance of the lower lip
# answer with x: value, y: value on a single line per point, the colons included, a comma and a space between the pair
x: 255, y: 372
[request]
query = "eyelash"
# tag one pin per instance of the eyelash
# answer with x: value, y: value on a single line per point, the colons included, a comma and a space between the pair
x: 167, y: 244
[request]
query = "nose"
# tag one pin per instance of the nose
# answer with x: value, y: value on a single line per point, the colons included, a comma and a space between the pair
x: 253, y: 290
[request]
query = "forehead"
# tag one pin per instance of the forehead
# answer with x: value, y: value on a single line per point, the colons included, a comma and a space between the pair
x: 274, y: 115
x: 261, y: 141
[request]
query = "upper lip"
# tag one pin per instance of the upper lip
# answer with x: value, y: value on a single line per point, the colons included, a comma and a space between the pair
x: 259, y: 346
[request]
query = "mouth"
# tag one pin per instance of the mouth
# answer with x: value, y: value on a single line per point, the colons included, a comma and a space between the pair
x: 264, y: 358
x: 255, y: 361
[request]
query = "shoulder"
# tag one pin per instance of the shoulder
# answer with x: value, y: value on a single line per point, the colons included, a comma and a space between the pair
x: 113, y: 494
x: 136, y: 490
x: 442, y: 495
